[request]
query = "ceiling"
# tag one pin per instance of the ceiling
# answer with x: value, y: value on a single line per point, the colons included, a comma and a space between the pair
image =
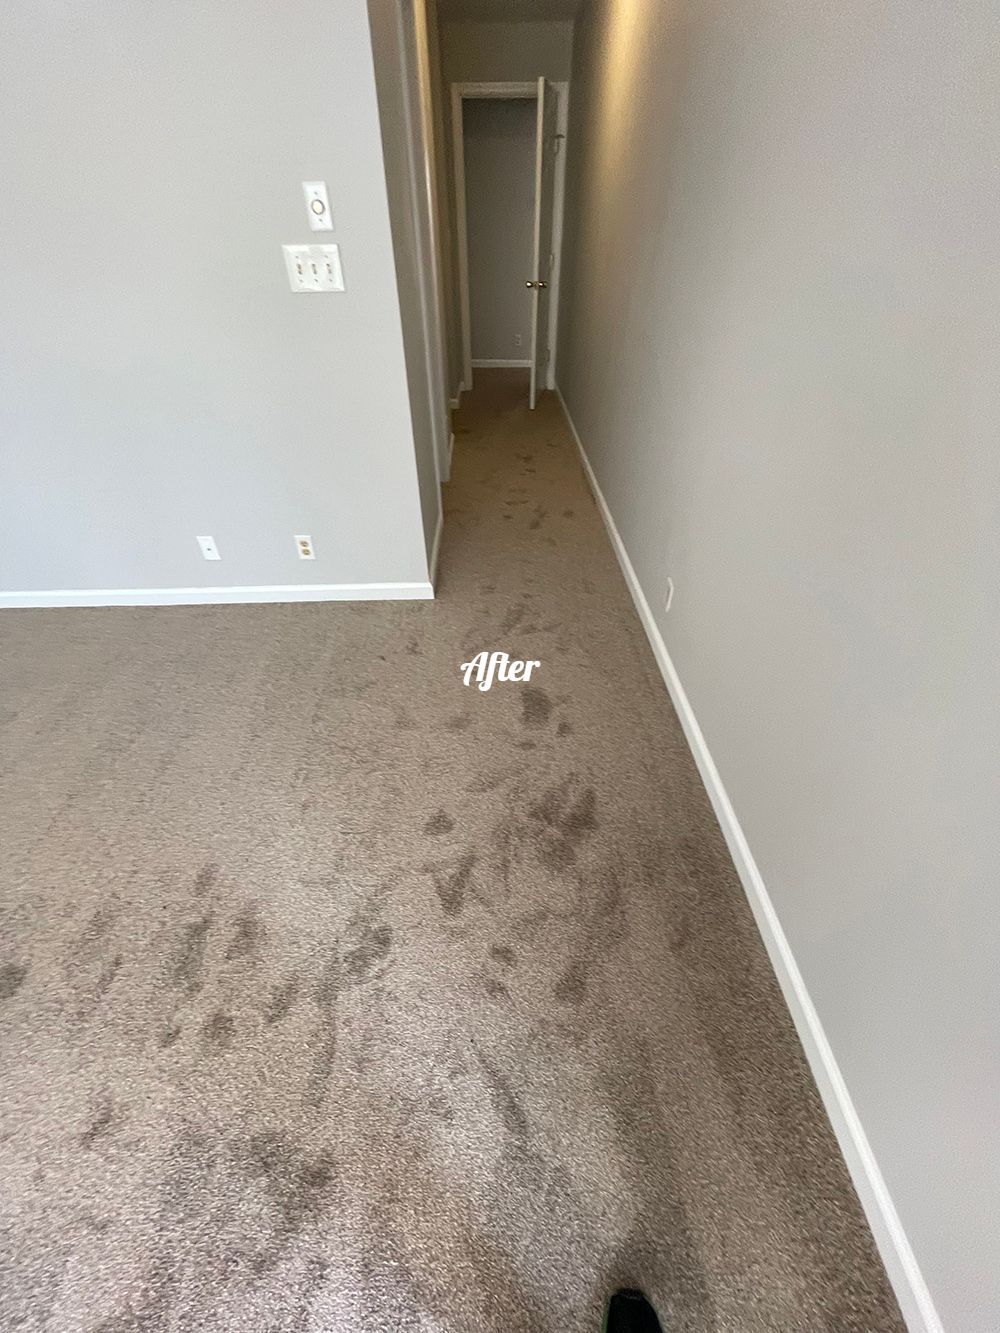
x: 511, y: 10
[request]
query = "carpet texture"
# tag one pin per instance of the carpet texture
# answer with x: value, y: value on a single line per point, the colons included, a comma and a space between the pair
x: 335, y: 995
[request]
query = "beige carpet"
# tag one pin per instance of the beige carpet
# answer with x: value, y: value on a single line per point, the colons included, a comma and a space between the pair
x: 338, y: 996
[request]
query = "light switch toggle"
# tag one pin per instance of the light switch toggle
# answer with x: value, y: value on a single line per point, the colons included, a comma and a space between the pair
x: 318, y: 205
x: 313, y: 268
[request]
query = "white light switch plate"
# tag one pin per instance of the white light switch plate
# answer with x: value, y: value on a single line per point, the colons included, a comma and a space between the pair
x: 313, y: 268
x: 317, y: 205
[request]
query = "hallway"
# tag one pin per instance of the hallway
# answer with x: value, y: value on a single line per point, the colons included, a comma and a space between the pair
x: 338, y: 995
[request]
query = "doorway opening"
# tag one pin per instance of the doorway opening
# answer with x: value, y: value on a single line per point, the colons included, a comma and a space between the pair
x: 508, y: 191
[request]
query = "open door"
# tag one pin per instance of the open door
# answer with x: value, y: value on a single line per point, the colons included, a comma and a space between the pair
x: 545, y: 175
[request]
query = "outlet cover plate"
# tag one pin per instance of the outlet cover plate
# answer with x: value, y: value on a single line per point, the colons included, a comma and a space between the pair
x: 313, y: 268
x: 317, y: 205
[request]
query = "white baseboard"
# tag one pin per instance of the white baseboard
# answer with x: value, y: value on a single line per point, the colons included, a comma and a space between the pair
x: 278, y: 592
x: 436, y: 548
x: 496, y: 365
x: 894, y: 1247
x: 457, y: 400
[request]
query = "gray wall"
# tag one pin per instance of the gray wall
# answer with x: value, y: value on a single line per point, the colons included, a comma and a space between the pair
x: 474, y: 51
x: 159, y: 379
x: 500, y: 200
x: 445, y: 191
x: 397, y: 37
x: 780, y: 350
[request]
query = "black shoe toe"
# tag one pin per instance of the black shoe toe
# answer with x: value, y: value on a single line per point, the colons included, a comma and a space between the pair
x: 630, y: 1312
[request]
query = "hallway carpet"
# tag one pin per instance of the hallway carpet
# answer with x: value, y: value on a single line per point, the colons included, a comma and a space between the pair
x: 335, y: 995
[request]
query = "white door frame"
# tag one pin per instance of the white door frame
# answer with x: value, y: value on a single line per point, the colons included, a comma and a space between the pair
x: 459, y: 92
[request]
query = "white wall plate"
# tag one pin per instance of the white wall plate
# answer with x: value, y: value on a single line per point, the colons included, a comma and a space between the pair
x: 313, y: 268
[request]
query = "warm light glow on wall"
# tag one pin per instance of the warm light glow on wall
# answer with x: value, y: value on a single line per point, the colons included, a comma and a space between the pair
x: 624, y: 44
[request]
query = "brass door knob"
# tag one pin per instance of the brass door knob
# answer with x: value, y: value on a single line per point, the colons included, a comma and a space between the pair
x: 538, y: 285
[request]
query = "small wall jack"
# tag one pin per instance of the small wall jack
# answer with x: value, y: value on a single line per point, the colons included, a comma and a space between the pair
x: 304, y: 546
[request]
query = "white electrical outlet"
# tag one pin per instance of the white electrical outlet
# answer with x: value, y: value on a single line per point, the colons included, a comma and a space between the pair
x: 670, y: 595
x: 313, y: 268
x: 208, y: 548
x: 317, y: 205
x: 517, y: 340
x: 304, y: 546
